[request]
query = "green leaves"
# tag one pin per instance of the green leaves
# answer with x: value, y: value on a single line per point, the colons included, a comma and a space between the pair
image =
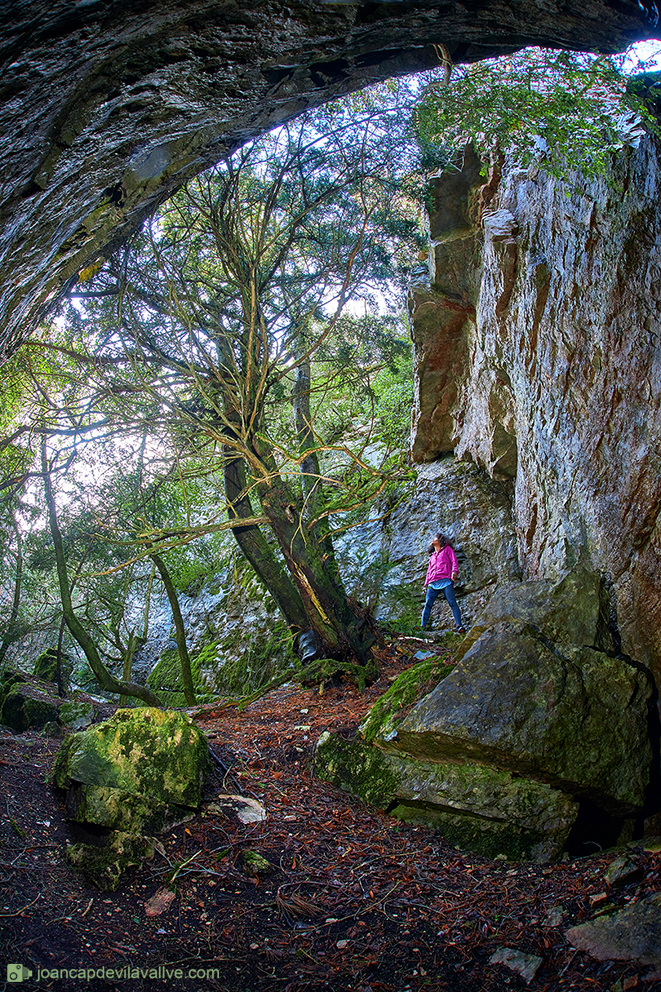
x: 564, y: 110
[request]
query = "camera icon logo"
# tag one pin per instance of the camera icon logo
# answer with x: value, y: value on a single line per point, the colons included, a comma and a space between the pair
x: 18, y: 973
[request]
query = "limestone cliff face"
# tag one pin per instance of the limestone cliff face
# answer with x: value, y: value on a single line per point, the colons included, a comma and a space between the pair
x: 538, y: 343
x: 107, y: 106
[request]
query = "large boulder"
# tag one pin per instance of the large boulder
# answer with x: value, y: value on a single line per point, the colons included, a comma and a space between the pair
x: 132, y: 776
x: 572, y: 717
x: 27, y: 706
x: 474, y: 806
x: 536, y: 734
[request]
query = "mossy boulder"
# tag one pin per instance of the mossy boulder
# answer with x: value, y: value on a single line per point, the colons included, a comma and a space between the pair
x: 475, y: 807
x: 574, y: 718
x: 484, y: 809
x: 146, y: 751
x: 538, y: 733
x: 573, y: 612
x: 132, y: 776
x: 118, y: 809
x: 76, y: 714
x: 25, y: 707
x: 45, y: 667
x: 8, y: 678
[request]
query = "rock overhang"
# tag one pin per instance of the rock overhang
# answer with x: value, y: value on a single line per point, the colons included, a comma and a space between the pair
x: 112, y: 106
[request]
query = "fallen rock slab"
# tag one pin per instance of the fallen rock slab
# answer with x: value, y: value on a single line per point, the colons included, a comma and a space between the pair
x: 525, y: 965
x: 474, y: 806
x: 633, y: 934
x: 574, y: 718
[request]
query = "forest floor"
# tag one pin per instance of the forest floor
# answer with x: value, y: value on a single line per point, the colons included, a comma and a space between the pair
x: 355, y: 900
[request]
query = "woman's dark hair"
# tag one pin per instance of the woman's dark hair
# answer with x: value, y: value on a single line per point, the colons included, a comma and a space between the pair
x: 443, y: 540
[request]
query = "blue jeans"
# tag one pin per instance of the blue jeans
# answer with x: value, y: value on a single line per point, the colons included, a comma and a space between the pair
x: 431, y: 599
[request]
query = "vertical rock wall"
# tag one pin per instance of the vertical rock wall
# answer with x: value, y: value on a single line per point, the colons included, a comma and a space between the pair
x: 550, y: 371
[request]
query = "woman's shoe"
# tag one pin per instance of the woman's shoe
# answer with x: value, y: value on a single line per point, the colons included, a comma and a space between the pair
x: 461, y: 630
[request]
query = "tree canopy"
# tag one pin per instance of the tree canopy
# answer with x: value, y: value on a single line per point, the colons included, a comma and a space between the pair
x: 564, y: 110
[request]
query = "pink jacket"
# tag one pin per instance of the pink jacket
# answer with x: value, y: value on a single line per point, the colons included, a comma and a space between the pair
x: 443, y: 564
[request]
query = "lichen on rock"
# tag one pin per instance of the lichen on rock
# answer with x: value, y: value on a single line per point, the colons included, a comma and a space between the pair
x: 143, y: 750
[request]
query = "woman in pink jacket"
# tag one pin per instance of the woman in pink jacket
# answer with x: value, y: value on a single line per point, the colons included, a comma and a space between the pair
x: 442, y: 573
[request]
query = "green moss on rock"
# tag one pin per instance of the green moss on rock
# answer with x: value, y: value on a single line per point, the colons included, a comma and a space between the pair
x: 246, y: 660
x: 120, y: 810
x: 136, y: 774
x: 411, y: 685
x: 105, y: 866
x: 356, y: 767
x: 76, y: 715
x: 45, y: 667
x: 24, y: 707
x: 255, y: 865
x: 146, y: 751
x: 485, y: 837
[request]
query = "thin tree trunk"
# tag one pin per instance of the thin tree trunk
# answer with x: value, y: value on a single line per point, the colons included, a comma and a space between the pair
x: 78, y: 632
x: 7, y: 639
x: 134, y: 640
x: 180, y: 632
x: 61, y: 688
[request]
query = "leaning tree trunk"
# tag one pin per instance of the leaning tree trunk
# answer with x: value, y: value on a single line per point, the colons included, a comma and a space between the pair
x: 257, y: 550
x: 343, y: 628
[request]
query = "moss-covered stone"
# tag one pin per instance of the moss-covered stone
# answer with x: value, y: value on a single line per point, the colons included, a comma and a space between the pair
x: 495, y: 812
x: 76, y: 715
x: 133, y: 775
x: 26, y: 707
x: 572, y: 612
x: 45, y: 667
x: 146, y: 751
x: 120, y: 810
x: 476, y: 807
x: 247, y: 659
x: 9, y: 678
x: 105, y: 866
x: 255, y: 865
x: 485, y: 837
x: 324, y: 671
x: 356, y: 767
x: 575, y: 718
x: 411, y: 685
